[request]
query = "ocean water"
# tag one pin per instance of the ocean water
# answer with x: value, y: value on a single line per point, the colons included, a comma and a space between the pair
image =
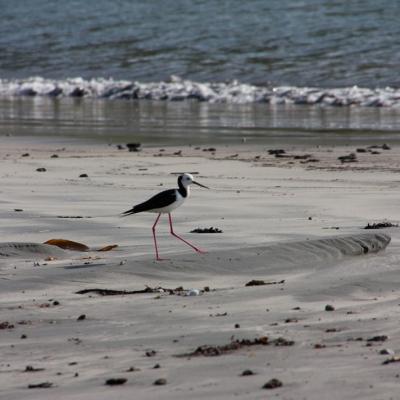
x: 252, y: 68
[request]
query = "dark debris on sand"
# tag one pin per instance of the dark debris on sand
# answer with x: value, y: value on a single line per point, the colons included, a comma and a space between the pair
x: 257, y: 282
x: 379, y: 338
x: 30, y: 368
x: 381, y: 225
x: 394, y: 359
x: 112, y: 292
x: 6, y: 325
x: 234, y: 345
x: 42, y: 385
x: 206, y: 230
x: 348, y: 158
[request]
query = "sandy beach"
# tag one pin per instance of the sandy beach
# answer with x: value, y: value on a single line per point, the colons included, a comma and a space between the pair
x: 322, y: 322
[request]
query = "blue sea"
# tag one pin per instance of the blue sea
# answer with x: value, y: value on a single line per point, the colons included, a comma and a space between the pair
x: 196, y: 71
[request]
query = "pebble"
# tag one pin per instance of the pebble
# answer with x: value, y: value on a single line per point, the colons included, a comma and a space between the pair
x: 329, y: 307
x: 159, y: 382
x: 247, y: 372
x: 272, y: 384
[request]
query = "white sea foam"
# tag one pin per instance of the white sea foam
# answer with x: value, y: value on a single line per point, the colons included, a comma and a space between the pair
x: 178, y: 89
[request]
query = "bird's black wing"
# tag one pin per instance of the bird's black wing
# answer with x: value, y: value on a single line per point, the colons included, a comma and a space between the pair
x: 162, y: 199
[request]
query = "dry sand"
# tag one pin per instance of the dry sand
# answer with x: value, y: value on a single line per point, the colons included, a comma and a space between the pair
x: 291, y: 223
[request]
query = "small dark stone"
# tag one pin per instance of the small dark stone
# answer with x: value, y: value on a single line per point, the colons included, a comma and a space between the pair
x: 81, y: 317
x: 150, y: 353
x: 272, y: 384
x: 385, y: 147
x: 18, y: 209
x: 157, y: 366
x: 329, y: 307
x: 41, y: 169
x: 247, y: 372
x: 56, y: 303
x: 23, y: 336
x: 54, y: 156
x: 237, y: 326
x: 83, y: 176
x: 115, y: 381
x: 160, y: 381
x: 25, y: 155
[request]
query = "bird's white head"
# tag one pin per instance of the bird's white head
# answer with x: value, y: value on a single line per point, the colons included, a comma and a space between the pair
x: 187, y: 179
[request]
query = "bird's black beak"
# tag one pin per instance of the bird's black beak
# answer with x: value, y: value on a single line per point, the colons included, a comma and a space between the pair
x: 199, y: 184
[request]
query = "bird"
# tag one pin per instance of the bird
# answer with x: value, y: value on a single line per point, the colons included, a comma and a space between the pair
x: 165, y: 202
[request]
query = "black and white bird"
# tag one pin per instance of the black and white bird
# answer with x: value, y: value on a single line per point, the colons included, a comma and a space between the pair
x: 165, y: 202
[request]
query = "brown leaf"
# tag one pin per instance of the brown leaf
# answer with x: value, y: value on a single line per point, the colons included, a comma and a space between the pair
x: 108, y: 248
x: 67, y: 244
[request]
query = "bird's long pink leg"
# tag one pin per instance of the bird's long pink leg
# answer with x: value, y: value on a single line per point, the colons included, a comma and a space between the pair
x: 178, y: 237
x: 154, y: 237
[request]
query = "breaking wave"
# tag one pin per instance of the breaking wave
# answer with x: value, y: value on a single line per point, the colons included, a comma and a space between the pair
x: 178, y: 89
